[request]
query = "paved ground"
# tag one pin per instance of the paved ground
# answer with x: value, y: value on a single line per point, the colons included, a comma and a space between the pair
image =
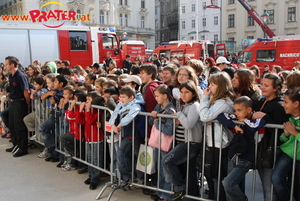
x: 30, y: 178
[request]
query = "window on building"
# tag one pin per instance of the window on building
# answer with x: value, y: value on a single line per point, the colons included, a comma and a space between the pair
x: 101, y: 14
x: 193, y: 23
x: 192, y: 38
x: 163, y: 22
x: 176, y: 3
x: 250, y: 20
x: 183, y: 9
x: 216, y: 2
x: 126, y: 20
x: 231, y: 20
x: 183, y: 24
x: 202, y: 37
x: 162, y: 37
x: 230, y: 38
x: 203, y: 5
x: 193, y: 7
x: 156, y: 8
x: 78, y: 40
x: 107, y: 17
x: 250, y: 37
x: 216, y: 20
x: 216, y: 37
x: 121, y: 20
x: 156, y: 24
x: 125, y: 2
x: 292, y: 14
x: 271, y: 16
x: 78, y: 14
x: 230, y: 1
x: 204, y: 22
x: 120, y: 2
x: 142, y: 22
x: 143, y: 4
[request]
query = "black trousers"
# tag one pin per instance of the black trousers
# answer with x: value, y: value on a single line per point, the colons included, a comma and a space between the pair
x: 19, y: 134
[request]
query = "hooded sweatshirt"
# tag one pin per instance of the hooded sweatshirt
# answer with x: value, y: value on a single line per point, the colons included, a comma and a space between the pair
x: 52, y: 66
x: 149, y: 97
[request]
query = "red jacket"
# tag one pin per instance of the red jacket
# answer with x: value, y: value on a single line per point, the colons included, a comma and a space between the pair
x: 149, y: 97
x: 89, y: 119
x: 75, y: 129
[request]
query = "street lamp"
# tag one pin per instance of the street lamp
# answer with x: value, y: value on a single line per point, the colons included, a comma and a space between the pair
x: 265, y: 16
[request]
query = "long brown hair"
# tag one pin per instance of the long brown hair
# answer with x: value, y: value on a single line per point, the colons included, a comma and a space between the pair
x: 246, y: 81
x: 224, y: 90
x: 190, y: 85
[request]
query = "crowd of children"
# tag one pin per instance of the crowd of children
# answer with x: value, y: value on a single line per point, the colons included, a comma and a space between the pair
x: 196, y: 93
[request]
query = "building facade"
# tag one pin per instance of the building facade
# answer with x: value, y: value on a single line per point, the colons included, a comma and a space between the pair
x: 237, y: 24
x: 132, y: 19
x: 166, y: 20
x: 199, y: 20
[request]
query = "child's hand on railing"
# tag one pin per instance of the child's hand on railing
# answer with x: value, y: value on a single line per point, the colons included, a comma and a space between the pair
x: 98, y: 124
x: 82, y: 105
x: 87, y: 107
x: 154, y: 113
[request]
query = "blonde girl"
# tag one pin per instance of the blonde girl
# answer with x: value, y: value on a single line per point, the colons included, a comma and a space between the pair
x: 217, y: 98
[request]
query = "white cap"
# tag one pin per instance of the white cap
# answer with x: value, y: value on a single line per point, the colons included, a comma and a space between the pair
x: 133, y: 78
x: 221, y: 60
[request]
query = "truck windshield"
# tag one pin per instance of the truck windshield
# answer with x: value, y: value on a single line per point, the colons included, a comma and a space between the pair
x: 266, y: 55
x: 78, y: 40
x: 109, y: 41
x: 245, y: 57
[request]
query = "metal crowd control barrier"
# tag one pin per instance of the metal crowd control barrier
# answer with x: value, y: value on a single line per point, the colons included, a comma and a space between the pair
x: 145, y: 178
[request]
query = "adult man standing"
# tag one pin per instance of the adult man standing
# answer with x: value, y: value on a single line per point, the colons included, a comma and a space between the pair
x: 127, y: 64
x: 156, y: 61
x: 107, y: 61
x: 20, y: 101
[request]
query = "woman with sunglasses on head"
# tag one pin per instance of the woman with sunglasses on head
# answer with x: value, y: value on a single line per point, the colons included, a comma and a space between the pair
x: 208, y: 63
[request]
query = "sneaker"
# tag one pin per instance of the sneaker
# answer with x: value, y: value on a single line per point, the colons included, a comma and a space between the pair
x: 64, y: 164
x: 33, y: 138
x: 125, y: 183
x: 87, y: 181
x: 59, y: 164
x: 178, y: 195
x: 48, y: 159
x: 20, y: 153
x: 68, y: 167
x: 11, y: 149
x: 44, y: 154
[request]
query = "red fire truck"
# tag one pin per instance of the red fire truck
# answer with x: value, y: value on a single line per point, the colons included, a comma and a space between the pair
x: 79, y: 45
x: 183, y: 49
x: 281, y: 50
x: 134, y: 48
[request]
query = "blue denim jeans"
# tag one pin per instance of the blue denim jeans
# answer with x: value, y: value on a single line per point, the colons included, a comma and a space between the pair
x: 175, y: 157
x: 124, y: 158
x: 115, y: 149
x: 265, y: 177
x: 280, y: 177
x: 46, y: 130
x: 95, y: 157
x: 5, y: 116
x: 164, y: 180
x: 234, y: 182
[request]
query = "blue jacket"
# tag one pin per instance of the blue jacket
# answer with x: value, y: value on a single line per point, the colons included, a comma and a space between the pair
x: 166, y: 123
x: 133, y: 108
x: 242, y: 145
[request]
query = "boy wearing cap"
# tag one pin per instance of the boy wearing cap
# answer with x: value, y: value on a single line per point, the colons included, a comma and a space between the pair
x: 222, y: 63
x: 134, y: 82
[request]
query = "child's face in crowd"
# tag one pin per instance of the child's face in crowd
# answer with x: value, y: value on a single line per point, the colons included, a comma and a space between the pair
x: 213, y: 88
x: 67, y: 95
x: 56, y: 84
x: 183, y: 76
x: 88, y: 80
x: 89, y: 99
x: 146, y: 78
x: 289, y: 106
x: 235, y: 81
x: 160, y: 74
x: 37, y: 86
x: 125, y: 99
x: 241, y: 111
x: 98, y: 88
x: 76, y: 87
x: 50, y: 84
x: 186, y: 95
x: 160, y: 98
x: 30, y: 71
x: 167, y: 76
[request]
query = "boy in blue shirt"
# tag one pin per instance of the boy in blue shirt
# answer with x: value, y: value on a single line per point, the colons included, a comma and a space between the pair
x: 123, y: 126
x: 241, y: 149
